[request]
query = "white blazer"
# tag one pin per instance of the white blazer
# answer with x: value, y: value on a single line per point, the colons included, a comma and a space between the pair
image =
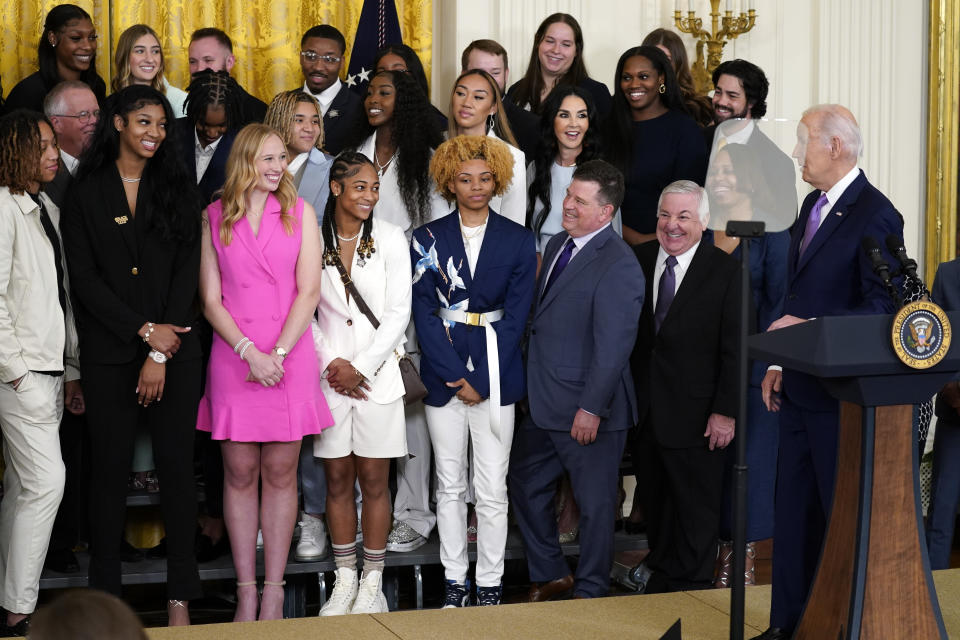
x: 343, y: 331
x: 390, y: 207
x: 513, y: 203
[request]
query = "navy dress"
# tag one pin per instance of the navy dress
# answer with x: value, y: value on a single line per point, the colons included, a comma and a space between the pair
x: 666, y: 148
x: 768, y: 285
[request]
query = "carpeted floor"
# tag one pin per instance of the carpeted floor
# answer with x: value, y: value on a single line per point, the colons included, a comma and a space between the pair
x: 704, y: 616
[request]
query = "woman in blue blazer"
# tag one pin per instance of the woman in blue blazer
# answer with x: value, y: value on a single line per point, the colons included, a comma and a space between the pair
x: 474, y: 274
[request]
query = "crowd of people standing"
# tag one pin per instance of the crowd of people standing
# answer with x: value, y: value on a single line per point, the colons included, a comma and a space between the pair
x: 176, y: 262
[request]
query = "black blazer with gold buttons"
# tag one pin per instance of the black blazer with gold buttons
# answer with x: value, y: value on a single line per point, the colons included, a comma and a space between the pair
x: 123, y: 272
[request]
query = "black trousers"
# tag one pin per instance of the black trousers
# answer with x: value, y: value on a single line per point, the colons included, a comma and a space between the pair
x: 75, y: 449
x: 680, y: 490
x: 112, y: 416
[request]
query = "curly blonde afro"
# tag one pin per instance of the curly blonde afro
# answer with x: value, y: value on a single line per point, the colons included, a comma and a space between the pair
x: 454, y: 152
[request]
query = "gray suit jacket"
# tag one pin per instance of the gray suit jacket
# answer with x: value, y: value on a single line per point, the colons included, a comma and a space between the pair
x: 582, y: 334
x: 315, y: 183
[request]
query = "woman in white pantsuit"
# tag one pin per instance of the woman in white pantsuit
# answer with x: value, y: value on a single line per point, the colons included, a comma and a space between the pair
x: 361, y: 375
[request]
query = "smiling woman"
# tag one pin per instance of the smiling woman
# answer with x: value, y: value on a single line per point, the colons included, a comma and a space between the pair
x: 138, y: 59
x: 132, y: 238
x: 67, y: 50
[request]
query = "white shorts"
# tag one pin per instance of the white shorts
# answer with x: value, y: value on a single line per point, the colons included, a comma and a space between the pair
x: 364, y: 428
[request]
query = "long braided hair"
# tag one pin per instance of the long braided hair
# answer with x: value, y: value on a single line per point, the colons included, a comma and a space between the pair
x: 346, y: 165
x: 210, y: 88
x: 414, y: 134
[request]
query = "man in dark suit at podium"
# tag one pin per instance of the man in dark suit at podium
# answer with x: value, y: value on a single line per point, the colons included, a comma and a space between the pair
x: 828, y: 274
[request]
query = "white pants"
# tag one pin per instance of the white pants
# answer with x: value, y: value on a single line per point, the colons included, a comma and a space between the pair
x: 452, y: 427
x: 33, y: 484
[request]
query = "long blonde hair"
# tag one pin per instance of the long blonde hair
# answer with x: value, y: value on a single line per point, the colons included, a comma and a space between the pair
x: 242, y: 176
x: 121, y: 58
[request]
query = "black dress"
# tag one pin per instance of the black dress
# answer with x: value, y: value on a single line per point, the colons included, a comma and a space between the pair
x: 666, y: 148
x: 30, y: 92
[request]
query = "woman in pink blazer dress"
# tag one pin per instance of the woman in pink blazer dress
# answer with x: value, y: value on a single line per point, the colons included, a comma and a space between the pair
x: 260, y: 283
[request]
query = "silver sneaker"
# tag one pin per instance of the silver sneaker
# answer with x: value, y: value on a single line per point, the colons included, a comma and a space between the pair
x: 370, y: 598
x: 344, y: 593
x: 404, y: 538
x: 313, y: 540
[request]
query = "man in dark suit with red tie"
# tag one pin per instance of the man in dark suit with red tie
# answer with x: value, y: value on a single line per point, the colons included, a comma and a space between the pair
x: 828, y: 274
x: 685, y: 365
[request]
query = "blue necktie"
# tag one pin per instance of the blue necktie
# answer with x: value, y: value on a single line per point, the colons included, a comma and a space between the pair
x: 560, y: 265
x: 665, y: 292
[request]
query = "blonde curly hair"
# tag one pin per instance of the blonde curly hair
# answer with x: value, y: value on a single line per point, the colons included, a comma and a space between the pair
x: 454, y: 152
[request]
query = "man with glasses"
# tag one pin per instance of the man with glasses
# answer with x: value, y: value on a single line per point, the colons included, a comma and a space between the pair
x: 73, y: 112
x: 321, y: 57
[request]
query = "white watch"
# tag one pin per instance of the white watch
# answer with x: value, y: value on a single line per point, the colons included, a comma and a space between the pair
x: 157, y: 357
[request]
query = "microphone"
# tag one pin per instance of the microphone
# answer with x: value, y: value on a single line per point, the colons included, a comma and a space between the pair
x: 880, y: 266
x: 908, y: 266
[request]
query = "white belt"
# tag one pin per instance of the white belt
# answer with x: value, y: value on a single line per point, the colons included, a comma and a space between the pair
x: 493, y: 354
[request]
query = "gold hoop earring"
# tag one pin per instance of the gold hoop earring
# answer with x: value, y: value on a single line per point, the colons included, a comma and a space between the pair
x: 663, y: 88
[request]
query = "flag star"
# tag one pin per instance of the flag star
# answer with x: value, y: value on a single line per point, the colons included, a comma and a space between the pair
x: 351, y: 81
x: 364, y: 75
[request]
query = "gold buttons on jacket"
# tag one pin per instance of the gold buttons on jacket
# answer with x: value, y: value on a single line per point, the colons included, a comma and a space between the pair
x: 135, y: 271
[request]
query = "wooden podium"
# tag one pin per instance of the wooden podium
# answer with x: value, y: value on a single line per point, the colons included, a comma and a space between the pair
x: 873, y: 580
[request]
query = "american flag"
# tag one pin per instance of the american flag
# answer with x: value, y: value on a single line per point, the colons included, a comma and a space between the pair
x: 378, y: 26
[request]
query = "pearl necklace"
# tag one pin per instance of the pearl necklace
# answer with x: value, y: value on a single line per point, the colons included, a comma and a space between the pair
x: 342, y: 239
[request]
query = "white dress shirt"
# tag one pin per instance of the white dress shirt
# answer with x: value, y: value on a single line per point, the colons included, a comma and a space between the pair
x: 325, y: 97
x: 297, y: 162
x: 834, y: 193
x: 204, y: 154
x: 69, y: 162
x: 680, y: 270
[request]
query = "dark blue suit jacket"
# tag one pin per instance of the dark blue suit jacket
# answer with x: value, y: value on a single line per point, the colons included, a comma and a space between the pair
x: 216, y: 173
x: 834, y: 277
x: 946, y: 293
x: 340, y: 119
x: 505, y: 276
x: 582, y: 334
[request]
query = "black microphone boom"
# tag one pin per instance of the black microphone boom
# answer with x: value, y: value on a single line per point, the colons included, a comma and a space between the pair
x: 880, y: 267
x: 908, y: 266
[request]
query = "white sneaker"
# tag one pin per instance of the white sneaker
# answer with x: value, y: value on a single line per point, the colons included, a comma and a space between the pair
x: 313, y: 539
x: 344, y: 593
x: 370, y: 598
x: 403, y: 538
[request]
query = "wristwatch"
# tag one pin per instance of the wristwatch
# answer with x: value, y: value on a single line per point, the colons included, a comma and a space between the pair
x: 280, y: 351
x: 157, y: 357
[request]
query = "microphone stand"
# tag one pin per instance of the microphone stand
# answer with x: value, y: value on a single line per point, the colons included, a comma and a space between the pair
x: 743, y: 229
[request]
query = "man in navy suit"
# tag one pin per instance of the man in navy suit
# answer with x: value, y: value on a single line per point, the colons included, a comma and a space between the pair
x: 828, y: 274
x: 581, y: 394
x: 321, y: 57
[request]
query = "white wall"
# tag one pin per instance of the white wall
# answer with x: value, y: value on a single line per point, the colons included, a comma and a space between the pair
x: 869, y: 55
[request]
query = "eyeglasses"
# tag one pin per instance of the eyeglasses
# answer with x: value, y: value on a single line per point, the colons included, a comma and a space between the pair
x: 84, y: 116
x: 313, y: 56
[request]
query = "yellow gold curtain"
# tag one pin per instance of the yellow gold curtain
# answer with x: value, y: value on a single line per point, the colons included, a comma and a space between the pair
x: 265, y: 33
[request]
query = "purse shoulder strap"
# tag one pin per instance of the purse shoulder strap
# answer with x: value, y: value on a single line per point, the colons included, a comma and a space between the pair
x: 352, y: 290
